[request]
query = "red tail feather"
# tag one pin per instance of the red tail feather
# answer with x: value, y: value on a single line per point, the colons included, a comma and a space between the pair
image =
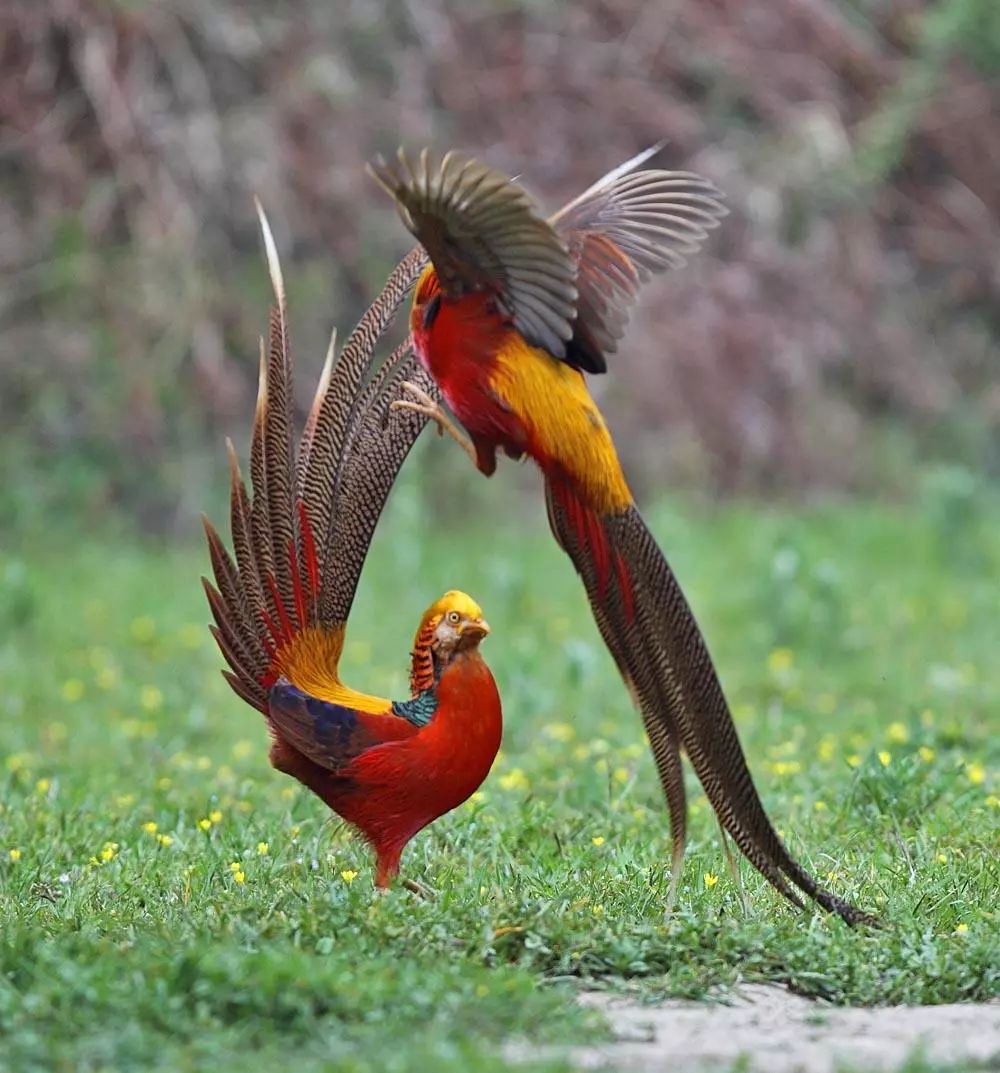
x: 286, y: 633
x: 625, y: 586
x: 588, y: 526
x: 297, y: 589
x: 309, y: 551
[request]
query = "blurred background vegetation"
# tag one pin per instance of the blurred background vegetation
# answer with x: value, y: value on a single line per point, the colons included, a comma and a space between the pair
x: 838, y: 335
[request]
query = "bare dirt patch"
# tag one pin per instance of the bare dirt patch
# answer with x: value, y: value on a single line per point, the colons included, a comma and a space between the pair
x: 767, y: 1029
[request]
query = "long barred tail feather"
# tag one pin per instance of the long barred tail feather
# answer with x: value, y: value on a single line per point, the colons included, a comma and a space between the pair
x: 654, y: 638
x: 612, y: 603
x: 301, y: 532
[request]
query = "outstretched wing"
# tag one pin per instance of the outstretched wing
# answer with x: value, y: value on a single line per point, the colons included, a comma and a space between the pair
x: 482, y: 233
x: 301, y: 533
x: 620, y: 231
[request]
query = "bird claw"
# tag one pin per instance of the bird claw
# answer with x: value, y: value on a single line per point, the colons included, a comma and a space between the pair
x: 422, y: 403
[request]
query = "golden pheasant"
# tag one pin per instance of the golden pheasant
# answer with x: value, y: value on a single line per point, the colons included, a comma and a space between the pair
x: 388, y: 768
x: 510, y: 313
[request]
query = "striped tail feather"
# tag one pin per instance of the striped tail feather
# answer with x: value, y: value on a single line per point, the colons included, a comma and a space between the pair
x: 301, y: 532
x: 662, y: 655
x: 611, y: 602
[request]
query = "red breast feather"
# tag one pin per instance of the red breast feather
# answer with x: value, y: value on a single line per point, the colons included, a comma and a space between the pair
x: 392, y: 791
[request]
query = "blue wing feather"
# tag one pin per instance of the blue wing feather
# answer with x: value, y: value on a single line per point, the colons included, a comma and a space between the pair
x: 330, y: 734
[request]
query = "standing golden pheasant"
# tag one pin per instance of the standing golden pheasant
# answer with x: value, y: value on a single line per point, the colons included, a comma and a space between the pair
x: 388, y: 768
x: 509, y: 314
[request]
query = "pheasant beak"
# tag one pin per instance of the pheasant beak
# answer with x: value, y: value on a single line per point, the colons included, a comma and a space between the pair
x: 475, y: 630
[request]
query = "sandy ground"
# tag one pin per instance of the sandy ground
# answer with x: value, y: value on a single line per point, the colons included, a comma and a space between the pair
x: 767, y: 1029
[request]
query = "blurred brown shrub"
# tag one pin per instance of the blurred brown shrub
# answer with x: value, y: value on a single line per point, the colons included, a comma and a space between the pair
x: 843, y: 323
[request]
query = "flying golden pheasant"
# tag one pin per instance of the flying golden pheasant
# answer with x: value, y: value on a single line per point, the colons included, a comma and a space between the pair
x: 388, y: 768
x: 509, y: 314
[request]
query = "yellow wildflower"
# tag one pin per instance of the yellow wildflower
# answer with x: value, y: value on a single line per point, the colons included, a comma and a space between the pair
x: 164, y: 840
x: 203, y: 763
x: 819, y: 806
x: 72, y: 690
x: 780, y: 660
x: 348, y: 875
x: 14, y: 854
x: 294, y: 830
x: 109, y: 851
x: 620, y: 774
x: 993, y: 801
x: 235, y: 866
x: 926, y: 753
x: 562, y: 732
x: 151, y: 827
x: 976, y: 772
x: 827, y: 747
x: 884, y: 757
x: 942, y: 858
x: 786, y: 767
x: 961, y: 929
x: 854, y: 760
x: 142, y: 629
x: 242, y: 749
x: 288, y: 792
x: 215, y: 816
x: 262, y: 849
x: 43, y: 785
x: 597, y: 910
x: 106, y: 678
x: 710, y: 879
x: 239, y: 876
x: 897, y: 733
x: 151, y: 698
x: 598, y: 840
x: 515, y: 779
x: 205, y: 823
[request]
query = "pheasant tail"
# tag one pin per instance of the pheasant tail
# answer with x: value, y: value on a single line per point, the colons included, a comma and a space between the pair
x: 655, y: 640
x: 301, y: 532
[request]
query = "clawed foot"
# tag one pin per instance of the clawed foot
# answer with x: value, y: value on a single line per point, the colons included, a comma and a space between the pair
x: 419, y: 890
x: 422, y: 403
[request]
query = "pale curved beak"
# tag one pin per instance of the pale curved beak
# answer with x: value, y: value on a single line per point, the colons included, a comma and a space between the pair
x: 475, y: 631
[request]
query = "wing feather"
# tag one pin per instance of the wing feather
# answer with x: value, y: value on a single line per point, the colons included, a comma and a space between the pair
x: 620, y: 231
x: 482, y: 232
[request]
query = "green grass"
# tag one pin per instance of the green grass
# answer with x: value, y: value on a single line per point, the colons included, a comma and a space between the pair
x: 858, y: 646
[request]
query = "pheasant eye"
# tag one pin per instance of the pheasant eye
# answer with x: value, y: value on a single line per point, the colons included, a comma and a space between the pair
x: 453, y: 617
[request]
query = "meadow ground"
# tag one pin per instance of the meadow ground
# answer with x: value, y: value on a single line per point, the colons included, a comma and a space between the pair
x: 170, y: 902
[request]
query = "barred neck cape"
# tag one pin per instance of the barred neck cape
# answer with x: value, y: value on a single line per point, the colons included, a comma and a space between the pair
x: 512, y: 311
x: 300, y: 536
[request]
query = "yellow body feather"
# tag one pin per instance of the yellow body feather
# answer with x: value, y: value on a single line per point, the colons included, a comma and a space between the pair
x: 310, y: 660
x: 552, y: 401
